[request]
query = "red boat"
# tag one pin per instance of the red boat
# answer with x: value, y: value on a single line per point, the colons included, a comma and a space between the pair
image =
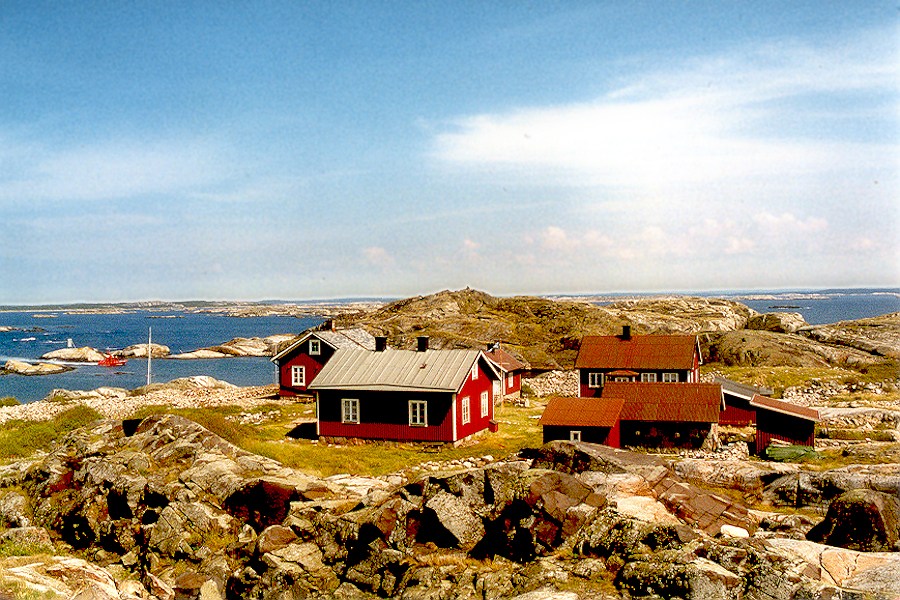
x: 112, y: 361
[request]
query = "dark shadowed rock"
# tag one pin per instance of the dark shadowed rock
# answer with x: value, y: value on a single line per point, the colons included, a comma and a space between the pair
x: 863, y: 520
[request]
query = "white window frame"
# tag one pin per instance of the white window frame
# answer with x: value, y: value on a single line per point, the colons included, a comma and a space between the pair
x: 418, y: 413
x: 575, y: 435
x: 595, y: 380
x: 670, y: 377
x: 298, y: 376
x: 349, y: 410
x: 466, y: 411
x: 510, y: 380
x: 475, y: 371
x: 648, y: 377
x: 484, y: 404
x: 315, y: 347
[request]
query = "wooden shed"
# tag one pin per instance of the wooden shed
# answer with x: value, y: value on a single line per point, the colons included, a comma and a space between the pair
x: 583, y: 420
x: 738, y: 411
x: 780, y: 420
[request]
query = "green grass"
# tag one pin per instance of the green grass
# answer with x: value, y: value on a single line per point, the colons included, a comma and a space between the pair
x: 23, y: 438
x: 9, y: 401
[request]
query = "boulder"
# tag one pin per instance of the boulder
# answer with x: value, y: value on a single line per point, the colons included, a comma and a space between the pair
x: 23, y: 368
x: 779, y: 322
x: 140, y: 351
x: 863, y: 520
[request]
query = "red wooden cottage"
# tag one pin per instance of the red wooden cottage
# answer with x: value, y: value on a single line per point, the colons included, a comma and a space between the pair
x: 780, y: 420
x: 641, y: 358
x: 582, y: 420
x: 738, y: 411
x: 424, y: 395
x: 299, y: 363
x: 509, y: 385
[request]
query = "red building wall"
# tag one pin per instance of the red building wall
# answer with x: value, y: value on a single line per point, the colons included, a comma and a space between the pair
x: 300, y: 356
x: 473, y: 389
x: 590, y: 392
x: 738, y: 412
x: 771, y: 425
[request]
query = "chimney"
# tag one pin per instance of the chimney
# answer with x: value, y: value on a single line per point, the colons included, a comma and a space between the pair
x: 380, y: 343
x: 422, y: 343
x: 626, y: 332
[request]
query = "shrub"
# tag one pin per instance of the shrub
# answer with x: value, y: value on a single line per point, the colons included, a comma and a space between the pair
x: 9, y: 401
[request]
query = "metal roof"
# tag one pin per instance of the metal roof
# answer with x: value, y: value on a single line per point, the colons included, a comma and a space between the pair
x: 785, y: 408
x: 636, y: 352
x: 584, y: 412
x: 398, y: 370
x: 741, y: 390
x: 336, y: 338
x: 686, y: 402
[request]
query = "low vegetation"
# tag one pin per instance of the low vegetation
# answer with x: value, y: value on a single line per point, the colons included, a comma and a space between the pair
x: 23, y: 438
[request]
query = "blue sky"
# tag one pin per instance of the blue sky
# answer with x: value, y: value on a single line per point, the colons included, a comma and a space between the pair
x: 299, y: 150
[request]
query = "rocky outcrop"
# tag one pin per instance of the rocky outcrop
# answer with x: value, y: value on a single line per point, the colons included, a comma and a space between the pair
x: 863, y: 520
x: 181, y: 513
x: 545, y: 333
x: 22, y: 368
x: 140, y: 351
x: 75, y: 355
x: 767, y: 348
x: 267, y: 346
x: 879, y: 335
x: 779, y: 322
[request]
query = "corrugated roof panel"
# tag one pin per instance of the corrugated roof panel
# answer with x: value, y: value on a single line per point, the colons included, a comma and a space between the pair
x: 584, y: 412
x: 637, y: 352
x: 785, y: 408
x: 694, y: 402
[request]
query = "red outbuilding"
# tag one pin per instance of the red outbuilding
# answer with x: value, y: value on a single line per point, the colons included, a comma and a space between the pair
x: 299, y: 363
x: 640, y: 358
x: 738, y: 411
x: 780, y: 420
x: 583, y: 420
x: 405, y: 395
x: 509, y: 385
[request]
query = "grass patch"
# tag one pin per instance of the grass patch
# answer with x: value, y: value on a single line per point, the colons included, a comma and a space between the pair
x: 778, y: 378
x: 9, y: 401
x: 23, y: 438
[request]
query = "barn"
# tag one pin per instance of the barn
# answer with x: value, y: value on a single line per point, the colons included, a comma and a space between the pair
x: 509, y: 385
x: 643, y: 358
x: 780, y: 420
x: 300, y: 362
x: 405, y: 395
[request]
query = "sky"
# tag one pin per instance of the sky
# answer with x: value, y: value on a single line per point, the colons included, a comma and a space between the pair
x: 310, y: 150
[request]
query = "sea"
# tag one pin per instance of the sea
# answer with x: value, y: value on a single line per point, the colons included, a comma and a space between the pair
x: 41, y: 331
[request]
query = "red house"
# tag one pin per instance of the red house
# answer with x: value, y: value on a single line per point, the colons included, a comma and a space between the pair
x: 299, y: 363
x: 642, y: 358
x: 509, y: 385
x: 424, y: 395
x: 780, y: 420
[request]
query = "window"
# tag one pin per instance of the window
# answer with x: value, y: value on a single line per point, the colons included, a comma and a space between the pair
x: 466, y: 416
x: 475, y: 371
x: 595, y: 380
x: 574, y: 436
x: 315, y: 347
x: 484, y: 404
x: 510, y: 380
x: 648, y: 377
x: 418, y: 415
x: 349, y: 410
x: 670, y: 377
x: 298, y: 376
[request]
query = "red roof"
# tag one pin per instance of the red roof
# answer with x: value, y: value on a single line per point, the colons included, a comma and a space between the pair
x: 681, y: 402
x: 585, y: 412
x: 785, y: 408
x: 636, y: 352
x: 505, y: 361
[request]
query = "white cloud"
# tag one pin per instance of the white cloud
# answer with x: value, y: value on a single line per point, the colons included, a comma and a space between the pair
x: 787, y: 223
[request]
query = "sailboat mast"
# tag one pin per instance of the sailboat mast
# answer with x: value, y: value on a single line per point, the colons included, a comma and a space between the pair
x: 149, y: 352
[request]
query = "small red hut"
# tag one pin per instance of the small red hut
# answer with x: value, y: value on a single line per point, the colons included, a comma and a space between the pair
x: 299, y: 363
x: 780, y: 420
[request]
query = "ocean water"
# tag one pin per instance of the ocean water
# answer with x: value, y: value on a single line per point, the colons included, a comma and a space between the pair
x: 180, y: 331
x: 825, y: 306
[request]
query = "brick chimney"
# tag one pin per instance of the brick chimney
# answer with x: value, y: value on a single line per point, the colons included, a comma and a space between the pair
x: 422, y: 343
x: 626, y: 332
x: 380, y: 343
